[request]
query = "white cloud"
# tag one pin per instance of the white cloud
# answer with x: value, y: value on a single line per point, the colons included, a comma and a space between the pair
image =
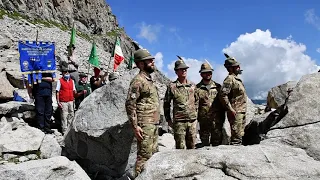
x: 312, y: 18
x: 266, y: 62
x: 318, y: 50
x: 149, y: 32
x: 159, y: 61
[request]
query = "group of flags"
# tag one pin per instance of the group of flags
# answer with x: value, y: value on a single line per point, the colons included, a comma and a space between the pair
x: 117, y: 54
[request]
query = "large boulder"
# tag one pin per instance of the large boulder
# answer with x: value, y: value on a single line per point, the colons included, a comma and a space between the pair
x: 278, y: 94
x: 301, y: 126
x: 101, y: 136
x: 22, y: 139
x: 272, y: 161
x: 54, y: 168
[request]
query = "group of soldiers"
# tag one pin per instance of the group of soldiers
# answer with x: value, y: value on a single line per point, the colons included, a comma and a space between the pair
x: 206, y: 102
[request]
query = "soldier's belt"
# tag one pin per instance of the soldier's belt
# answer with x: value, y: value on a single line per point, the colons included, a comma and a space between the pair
x: 187, y: 120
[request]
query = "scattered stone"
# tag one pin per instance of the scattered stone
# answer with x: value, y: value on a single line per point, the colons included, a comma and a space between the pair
x: 49, y: 147
x: 23, y: 159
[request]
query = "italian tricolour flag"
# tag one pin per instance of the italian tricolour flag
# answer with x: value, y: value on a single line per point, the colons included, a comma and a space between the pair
x: 117, y: 54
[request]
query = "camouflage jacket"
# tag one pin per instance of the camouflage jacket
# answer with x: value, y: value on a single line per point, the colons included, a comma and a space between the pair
x: 233, y: 94
x: 184, y: 101
x: 209, y: 103
x: 142, y: 104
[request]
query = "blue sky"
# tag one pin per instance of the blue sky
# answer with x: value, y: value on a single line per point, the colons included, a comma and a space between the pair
x: 205, y: 29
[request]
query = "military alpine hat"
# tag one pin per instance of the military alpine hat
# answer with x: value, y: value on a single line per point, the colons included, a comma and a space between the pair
x: 230, y: 61
x: 82, y: 75
x: 179, y: 64
x: 112, y: 76
x: 205, y: 67
x: 141, y: 55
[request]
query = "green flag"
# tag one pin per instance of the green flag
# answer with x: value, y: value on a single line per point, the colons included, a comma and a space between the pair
x: 72, y: 41
x: 94, y: 59
x: 73, y: 36
x: 131, y: 60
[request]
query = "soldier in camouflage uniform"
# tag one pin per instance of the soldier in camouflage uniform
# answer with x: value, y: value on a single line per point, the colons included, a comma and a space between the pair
x: 182, y: 93
x: 142, y: 106
x: 234, y: 98
x: 211, y: 114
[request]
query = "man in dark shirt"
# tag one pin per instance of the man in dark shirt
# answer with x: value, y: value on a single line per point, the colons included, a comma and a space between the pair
x: 42, y: 94
x: 83, y: 89
x: 97, y: 80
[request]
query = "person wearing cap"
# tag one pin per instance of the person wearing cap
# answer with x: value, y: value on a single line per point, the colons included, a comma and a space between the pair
x: 211, y: 114
x: 143, y: 108
x: 97, y: 80
x: 65, y: 92
x: 112, y: 76
x: 234, y: 99
x: 182, y: 93
x: 83, y: 89
x: 73, y: 64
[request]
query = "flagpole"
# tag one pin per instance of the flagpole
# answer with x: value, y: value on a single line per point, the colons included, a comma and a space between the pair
x: 113, y: 55
x: 89, y: 63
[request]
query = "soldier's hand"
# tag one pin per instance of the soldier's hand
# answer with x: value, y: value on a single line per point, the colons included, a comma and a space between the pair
x: 138, y: 133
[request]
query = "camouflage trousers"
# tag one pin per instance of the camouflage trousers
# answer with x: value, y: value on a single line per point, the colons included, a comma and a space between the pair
x: 237, y: 125
x: 147, y: 147
x: 211, y: 130
x: 185, y: 133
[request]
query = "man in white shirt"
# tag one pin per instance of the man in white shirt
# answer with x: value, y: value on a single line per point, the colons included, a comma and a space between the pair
x: 65, y: 92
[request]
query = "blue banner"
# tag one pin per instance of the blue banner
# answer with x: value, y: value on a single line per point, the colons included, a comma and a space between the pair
x: 37, y: 57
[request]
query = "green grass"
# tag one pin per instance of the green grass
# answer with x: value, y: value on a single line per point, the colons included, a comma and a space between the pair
x: 115, y: 32
x: 51, y: 24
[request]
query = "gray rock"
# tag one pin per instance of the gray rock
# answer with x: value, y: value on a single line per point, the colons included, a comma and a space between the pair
x: 12, y: 68
x: 101, y: 133
x: 278, y: 94
x: 15, y: 107
x: 303, y: 103
x: 166, y: 142
x: 300, y: 127
x: 23, y: 139
x: 50, y: 147
x: 23, y: 159
x: 7, y: 157
x: 54, y: 168
x: 6, y: 89
x: 5, y: 42
x: 32, y: 156
x: 13, y: 122
x: 4, y: 125
x: 271, y: 161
